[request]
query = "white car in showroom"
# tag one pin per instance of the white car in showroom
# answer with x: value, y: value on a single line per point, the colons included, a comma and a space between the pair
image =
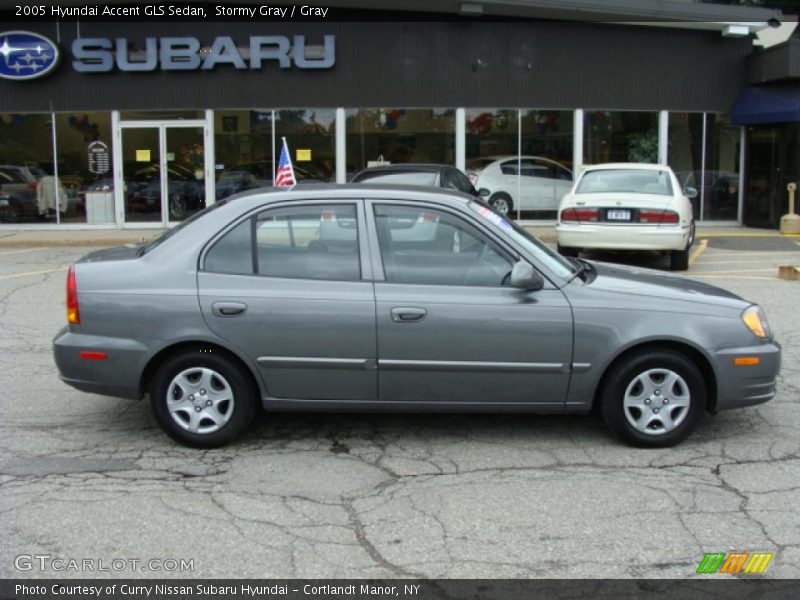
x: 628, y: 206
x: 524, y: 182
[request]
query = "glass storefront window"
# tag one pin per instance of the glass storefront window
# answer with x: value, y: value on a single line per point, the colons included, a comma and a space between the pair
x: 26, y: 152
x: 693, y: 136
x: 525, y: 170
x: 620, y: 136
x: 311, y: 136
x: 721, y: 184
x: 83, y: 148
x: 244, y: 139
x: 399, y: 135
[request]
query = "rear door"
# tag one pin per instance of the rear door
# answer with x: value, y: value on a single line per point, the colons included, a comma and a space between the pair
x: 449, y: 330
x: 290, y: 288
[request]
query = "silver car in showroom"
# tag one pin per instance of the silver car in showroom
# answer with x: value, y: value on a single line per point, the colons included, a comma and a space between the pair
x: 384, y: 298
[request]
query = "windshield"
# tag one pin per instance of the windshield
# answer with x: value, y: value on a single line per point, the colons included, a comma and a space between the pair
x: 550, y: 258
x: 638, y: 181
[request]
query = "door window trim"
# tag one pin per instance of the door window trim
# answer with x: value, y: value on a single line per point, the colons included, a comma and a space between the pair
x: 363, y: 253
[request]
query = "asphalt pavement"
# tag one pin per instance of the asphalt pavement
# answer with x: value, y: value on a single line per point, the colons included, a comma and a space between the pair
x: 319, y: 495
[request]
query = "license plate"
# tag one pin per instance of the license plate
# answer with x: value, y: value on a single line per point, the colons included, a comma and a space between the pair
x: 618, y: 215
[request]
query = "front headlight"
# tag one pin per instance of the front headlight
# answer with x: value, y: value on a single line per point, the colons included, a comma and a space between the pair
x: 756, y: 321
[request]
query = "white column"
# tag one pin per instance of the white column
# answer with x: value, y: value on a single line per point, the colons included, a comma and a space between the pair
x: 461, y: 139
x: 341, y: 146
x: 663, y: 137
x: 210, y: 160
x: 119, y: 181
x: 59, y: 200
x: 577, y: 141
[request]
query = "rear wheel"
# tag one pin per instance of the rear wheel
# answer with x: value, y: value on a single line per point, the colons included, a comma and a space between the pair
x: 679, y: 259
x: 202, y: 399
x: 501, y: 202
x: 653, y: 399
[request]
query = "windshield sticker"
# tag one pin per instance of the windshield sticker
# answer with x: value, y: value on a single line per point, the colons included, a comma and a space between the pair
x: 494, y: 217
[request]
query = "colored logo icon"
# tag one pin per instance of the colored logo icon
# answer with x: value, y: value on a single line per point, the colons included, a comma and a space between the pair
x: 735, y: 562
x: 26, y: 55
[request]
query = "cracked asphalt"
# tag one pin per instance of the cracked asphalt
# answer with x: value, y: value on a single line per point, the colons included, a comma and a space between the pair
x: 351, y: 496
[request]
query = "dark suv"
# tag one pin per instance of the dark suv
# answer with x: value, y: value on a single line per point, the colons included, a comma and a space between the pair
x: 430, y: 175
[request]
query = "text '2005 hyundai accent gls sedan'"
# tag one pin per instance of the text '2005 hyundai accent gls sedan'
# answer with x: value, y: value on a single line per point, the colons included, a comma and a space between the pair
x: 368, y: 297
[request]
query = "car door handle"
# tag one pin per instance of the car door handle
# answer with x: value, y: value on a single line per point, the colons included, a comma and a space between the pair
x: 408, y: 314
x: 229, y: 309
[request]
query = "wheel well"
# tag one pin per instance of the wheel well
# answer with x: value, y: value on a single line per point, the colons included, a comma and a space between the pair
x: 159, y: 357
x: 692, y: 353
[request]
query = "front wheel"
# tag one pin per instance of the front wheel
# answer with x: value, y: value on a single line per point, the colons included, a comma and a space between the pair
x: 202, y: 399
x: 501, y: 203
x: 653, y: 399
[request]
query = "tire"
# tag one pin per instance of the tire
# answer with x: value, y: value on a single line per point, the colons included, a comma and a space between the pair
x: 641, y: 419
x: 565, y: 251
x: 679, y: 259
x: 501, y: 202
x: 202, y: 399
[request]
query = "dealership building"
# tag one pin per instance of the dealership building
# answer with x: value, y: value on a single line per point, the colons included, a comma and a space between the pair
x: 140, y: 122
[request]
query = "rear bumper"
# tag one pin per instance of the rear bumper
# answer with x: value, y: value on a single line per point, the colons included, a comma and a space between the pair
x: 118, y: 375
x: 612, y: 236
x: 740, y: 386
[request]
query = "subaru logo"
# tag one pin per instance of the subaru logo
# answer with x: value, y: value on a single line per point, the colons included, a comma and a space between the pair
x: 26, y: 55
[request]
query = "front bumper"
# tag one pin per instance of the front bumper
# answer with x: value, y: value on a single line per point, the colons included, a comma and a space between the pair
x: 119, y: 375
x: 614, y: 236
x: 740, y: 386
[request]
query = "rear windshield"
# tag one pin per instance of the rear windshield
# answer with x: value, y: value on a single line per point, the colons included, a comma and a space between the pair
x: 638, y: 181
x: 11, y: 176
x: 398, y: 178
x: 170, y: 232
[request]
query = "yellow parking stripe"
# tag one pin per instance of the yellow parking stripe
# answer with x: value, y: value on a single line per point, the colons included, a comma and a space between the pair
x: 20, y: 251
x: 29, y: 273
x: 701, y: 247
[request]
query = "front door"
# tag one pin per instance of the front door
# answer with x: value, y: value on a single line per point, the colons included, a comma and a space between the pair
x: 450, y: 329
x: 163, y: 171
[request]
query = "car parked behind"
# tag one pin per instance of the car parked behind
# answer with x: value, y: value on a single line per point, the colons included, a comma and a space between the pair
x: 628, y: 206
x: 446, y: 177
x: 385, y: 298
x: 520, y: 182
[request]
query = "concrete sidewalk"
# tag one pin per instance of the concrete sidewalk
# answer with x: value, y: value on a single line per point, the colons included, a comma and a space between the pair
x: 16, y: 238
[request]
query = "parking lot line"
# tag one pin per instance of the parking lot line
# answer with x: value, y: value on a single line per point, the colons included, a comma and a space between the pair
x: 776, y: 234
x: 701, y: 247
x: 29, y: 273
x: 20, y: 251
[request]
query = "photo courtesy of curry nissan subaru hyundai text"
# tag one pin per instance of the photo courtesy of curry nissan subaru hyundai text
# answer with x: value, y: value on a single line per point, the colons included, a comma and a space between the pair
x: 142, y: 122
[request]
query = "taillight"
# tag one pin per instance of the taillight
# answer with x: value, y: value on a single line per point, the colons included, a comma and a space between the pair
x: 33, y: 185
x: 590, y: 215
x: 73, y: 315
x: 658, y: 216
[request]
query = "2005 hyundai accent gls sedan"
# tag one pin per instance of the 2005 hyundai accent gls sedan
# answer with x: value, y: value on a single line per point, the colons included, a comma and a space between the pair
x: 369, y: 297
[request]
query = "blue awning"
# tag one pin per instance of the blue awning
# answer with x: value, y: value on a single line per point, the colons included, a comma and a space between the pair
x: 767, y: 104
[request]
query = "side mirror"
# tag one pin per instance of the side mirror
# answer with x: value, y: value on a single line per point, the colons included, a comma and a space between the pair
x: 690, y: 192
x: 483, y: 192
x: 525, y: 277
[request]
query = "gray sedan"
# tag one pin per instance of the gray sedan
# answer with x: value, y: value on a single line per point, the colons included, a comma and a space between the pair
x: 381, y: 298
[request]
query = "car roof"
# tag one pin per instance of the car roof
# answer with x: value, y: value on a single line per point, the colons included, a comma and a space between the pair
x: 642, y: 166
x: 350, y: 191
x: 407, y: 167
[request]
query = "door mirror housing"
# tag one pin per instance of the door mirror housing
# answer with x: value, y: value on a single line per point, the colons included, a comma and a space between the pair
x: 525, y: 277
x: 690, y: 192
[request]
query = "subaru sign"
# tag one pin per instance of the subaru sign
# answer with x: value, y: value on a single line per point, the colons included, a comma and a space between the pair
x: 26, y: 55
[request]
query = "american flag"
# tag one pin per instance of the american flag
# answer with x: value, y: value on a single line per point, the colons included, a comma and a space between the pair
x: 284, y: 176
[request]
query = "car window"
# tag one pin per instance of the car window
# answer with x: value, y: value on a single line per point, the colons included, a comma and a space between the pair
x: 526, y: 167
x: 232, y: 253
x: 430, y: 247
x: 454, y: 179
x: 426, y: 178
x: 308, y: 242
x: 11, y: 176
x: 641, y: 181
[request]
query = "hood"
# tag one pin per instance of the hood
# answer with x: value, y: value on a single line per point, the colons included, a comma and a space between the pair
x: 638, y: 281
x: 128, y: 251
